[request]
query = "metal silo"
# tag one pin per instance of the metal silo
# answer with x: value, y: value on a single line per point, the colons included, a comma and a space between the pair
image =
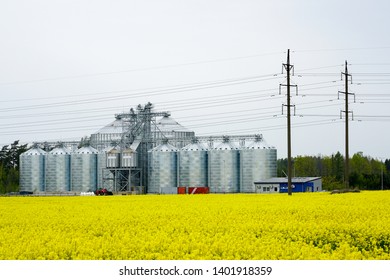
x: 128, y: 158
x: 169, y: 128
x: 257, y: 162
x: 110, y: 133
x: 84, y: 169
x: 163, y: 169
x: 112, y: 157
x: 58, y: 170
x: 32, y: 170
x: 224, y: 168
x: 193, y: 166
x: 107, y: 158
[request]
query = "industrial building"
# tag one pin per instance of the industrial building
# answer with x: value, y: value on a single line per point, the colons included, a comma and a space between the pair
x: 144, y: 151
x: 280, y: 185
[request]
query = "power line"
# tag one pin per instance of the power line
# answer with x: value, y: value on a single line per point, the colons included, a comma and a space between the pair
x: 192, y: 103
x: 280, y: 127
x: 138, y: 69
x: 133, y: 95
x: 156, y: 89
x: 343, y: 49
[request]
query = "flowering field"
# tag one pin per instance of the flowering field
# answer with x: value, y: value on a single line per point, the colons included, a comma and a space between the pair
x: 242, y: 226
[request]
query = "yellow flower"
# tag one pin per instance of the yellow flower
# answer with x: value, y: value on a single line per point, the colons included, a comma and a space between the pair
x: 196, y: 227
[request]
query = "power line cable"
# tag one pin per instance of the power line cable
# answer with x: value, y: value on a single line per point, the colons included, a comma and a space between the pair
x: 149, y: 90
x: 136, y: 69
x: 105, y: 99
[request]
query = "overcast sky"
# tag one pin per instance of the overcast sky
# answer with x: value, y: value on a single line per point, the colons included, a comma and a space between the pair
x: 67, y: 67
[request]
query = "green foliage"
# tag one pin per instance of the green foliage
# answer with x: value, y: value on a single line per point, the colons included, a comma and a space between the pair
x: 9, y: 180
x: 360, y: 164
x: 306, y: 166
x: 282, y: 167
x: 365, y: 172
x: 326, y: 168
x: 387, y: 164
x: 338, y: 166
x: 9, y: 166
x: 330, y: 183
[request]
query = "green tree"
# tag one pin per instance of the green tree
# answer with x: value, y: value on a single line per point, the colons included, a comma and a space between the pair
x: 282, y: 167
x: 387, y: 164
x: 360, y: 164
x: 338, y: 166
x: 365, y: 172
x: 9, y: 166
x: 326, y: 167
x: 306, y: 166
x: 331, y: 183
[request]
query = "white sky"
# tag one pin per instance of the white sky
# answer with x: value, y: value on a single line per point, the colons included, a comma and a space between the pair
x: 66, y: 67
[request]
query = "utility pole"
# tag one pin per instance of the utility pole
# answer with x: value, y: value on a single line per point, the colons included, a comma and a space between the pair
x: 288, y: 67
x: 347, y: 112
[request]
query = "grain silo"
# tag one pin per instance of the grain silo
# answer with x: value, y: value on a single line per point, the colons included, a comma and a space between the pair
x: 32, y: 170
x: 163, y: 169
x: 128, y: 158
x: 57, y: 170
x: 112, y: 157
x: 110, y: 133
x: 169, y: 128
x: 84, y: 169
x: 224, y: 168
x: 257, y: 162
x: 193, y: 165
x: 106, y: 159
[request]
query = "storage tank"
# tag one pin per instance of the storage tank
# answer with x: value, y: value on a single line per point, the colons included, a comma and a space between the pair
x: 112, y: 157
x: 84, y: 169
x: 128, y: 158
x: 163, y: 169
x: 193, y: 165
x: 257, y: 162
x: 169, y: 128
x: 112, y: 132
x: 58, y: 170
x: 32, y: 170
x: 107, y: 158
x: 224, y: 168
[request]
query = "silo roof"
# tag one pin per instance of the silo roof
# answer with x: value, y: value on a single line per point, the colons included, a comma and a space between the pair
x: 87, y: 150
x: 165, y: 148
x: 113, y: 127
x: 226, y: 146
x: 167, y: 123
x: 60, y: 151
x: 112, y: 150
x: 194, y: 147
x: 34, y: 151
x: 259, y: 145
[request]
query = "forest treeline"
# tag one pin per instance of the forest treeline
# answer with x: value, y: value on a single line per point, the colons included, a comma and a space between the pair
x: 9, y: 166
x: 366, y: 173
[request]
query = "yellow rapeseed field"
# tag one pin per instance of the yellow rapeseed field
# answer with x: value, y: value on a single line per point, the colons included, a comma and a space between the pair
x: 212, y: 227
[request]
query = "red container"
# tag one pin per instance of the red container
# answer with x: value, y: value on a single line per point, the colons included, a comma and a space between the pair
x: 181, y: 190
x: 192, y: 190
x: 198, y: 190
